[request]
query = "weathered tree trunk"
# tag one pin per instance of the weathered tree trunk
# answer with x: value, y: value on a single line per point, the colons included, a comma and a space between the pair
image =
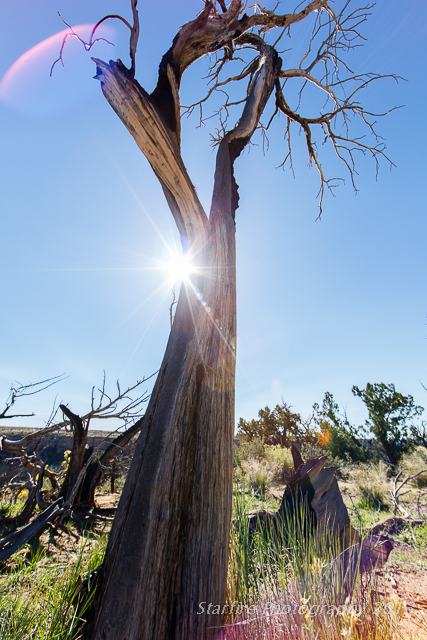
x: 168, y: 549
x: 78, y: 453
x: 161, y: 550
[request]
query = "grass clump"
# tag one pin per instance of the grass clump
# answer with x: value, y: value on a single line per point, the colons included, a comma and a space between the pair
x: 279, y: 462
x: 259, y: 466
x: 41, y: 596
x: 11, y: 504
x: 372, y: 484
x: 298, y: 591
x: 255, y: 475
x: 413, y: 463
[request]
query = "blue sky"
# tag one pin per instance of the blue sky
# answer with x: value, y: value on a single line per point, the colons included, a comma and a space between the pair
x: 322, y: 305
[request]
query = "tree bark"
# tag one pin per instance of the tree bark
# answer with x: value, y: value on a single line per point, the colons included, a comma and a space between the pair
x: 168, y: 548
x: 161, y: 560
x: 78, y: 453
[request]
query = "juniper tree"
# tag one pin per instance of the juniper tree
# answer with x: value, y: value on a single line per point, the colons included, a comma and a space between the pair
x: 169, y: 544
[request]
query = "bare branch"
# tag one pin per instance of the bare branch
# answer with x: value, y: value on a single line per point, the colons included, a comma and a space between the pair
x: 396, y: 494
x: 87, y: 45
x: 28, y: 390
x: 173, y: 303
x: 134, y: 37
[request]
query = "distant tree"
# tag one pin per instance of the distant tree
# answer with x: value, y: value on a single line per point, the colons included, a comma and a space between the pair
x: 389, y: 415
x: 278, y: 426
x: 338, y: 437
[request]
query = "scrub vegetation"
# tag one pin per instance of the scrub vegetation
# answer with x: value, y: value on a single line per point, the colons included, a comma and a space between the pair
x: 273, y: 590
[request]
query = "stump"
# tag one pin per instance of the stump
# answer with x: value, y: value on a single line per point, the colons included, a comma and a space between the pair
x: 312, y: 503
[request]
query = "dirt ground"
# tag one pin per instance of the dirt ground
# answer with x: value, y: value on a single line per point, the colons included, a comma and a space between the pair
x: 409, y: 591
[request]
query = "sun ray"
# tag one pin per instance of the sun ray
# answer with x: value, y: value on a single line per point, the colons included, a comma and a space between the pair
x: 144, y: 333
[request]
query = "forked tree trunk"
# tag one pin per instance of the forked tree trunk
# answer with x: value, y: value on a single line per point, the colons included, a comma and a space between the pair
x: 168, y: 548
x: 96, y: 468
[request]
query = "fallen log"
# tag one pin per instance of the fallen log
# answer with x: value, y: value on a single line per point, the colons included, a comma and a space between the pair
x: 16, y: 539
x: 392, y: 524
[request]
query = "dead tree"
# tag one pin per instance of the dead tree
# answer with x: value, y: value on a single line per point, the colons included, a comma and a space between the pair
x: 75, y: 489
x: 169, y: 545
x: 107, y: 408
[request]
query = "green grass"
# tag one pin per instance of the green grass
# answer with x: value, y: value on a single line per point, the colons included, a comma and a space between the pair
x: 300, y: 591
x: 369, y: 516
x: 10, y: 508
x: 40, y: 595
x: 296, y: 591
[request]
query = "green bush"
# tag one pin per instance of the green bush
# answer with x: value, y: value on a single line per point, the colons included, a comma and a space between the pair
x: 253, y: 450
x: 339, y: 439
x: 279, y: 462
x: 258, y: 464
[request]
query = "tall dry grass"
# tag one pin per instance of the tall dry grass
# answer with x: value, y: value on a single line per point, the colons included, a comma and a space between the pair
x: 412, y: 463
x: 372, y: 483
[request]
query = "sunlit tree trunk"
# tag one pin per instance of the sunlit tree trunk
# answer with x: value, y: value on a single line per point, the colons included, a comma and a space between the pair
x: 161, y: 561
x: 168, y: 549
x: 169, y: 544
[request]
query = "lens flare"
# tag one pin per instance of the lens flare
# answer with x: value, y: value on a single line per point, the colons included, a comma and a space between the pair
x: 179, y: 267
x: 28, y: 87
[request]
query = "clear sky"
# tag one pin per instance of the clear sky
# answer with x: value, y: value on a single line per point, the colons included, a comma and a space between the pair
x: 85, y: 229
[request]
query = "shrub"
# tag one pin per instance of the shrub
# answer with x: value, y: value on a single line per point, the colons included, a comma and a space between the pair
x: 389, y: 414
x: 413, y: 463
x: 277, y: 426
x: 279, y: 462
x: 255, y: 475
x: 339, y: 439
x: 253, y: 450
x: 372, y: 484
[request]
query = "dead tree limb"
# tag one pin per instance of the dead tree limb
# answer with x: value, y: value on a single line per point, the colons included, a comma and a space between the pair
x: 22, y: 390
x: 396, y: 493
x: 17, y: 539
x: 76, y: 487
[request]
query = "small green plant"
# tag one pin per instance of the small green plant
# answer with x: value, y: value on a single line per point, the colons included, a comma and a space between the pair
x: 11, y: 505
